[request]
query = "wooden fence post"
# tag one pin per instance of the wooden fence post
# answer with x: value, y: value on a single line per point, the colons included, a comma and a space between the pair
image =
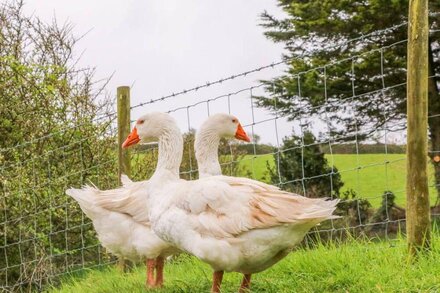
x: 123, y: 129
x: 418, y: 219
x: 123, y: 105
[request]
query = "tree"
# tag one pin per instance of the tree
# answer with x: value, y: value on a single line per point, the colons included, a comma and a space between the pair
x: 316, y: 34
x: 303, y: 168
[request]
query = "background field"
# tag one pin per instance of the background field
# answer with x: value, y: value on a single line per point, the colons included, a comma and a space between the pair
x: 376, y: 173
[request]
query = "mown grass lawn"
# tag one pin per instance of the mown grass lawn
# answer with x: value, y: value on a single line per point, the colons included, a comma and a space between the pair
x: 377, y: 173
x: 362, y: 266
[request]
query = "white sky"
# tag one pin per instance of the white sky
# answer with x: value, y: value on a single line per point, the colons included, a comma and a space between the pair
x: 162, y: 47
x: 166, y: 46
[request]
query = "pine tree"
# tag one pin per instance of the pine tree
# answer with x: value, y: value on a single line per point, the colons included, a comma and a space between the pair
x: 315, y: 33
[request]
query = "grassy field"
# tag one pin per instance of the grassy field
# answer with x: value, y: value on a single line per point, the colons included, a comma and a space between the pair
x: 361, y: 266
x: 355, y: 266
x: 378, y: 172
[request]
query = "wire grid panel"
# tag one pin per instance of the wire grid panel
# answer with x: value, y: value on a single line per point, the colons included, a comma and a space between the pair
x: 372, y: 207
x: 44, y: 233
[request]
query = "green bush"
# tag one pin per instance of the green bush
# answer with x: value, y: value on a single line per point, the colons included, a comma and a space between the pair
x: 302, y: 168
x: 55, y: 133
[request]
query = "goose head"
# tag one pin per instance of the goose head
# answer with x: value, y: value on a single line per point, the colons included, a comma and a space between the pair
x: 150, y: 127
x: 225, y: 125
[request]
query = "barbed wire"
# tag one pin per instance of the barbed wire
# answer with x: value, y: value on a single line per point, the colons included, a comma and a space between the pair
x: 185, y: 91
x: 221, y: 80
x: 208, y: 84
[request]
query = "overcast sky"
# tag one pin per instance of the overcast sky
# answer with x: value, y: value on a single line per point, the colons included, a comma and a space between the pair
x: 166, y: 46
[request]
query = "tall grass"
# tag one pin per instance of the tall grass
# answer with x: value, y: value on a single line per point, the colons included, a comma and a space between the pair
x: 354, y: 266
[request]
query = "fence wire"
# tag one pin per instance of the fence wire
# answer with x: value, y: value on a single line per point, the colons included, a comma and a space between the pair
x: 44, y: 234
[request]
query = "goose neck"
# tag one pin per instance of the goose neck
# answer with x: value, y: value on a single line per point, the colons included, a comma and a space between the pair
x: 206, y: 149
x: 170, y: 153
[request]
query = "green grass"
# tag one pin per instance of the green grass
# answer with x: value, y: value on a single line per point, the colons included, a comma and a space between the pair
x: 357, y: 266
x: 378, y: 172
x: 256, y: 167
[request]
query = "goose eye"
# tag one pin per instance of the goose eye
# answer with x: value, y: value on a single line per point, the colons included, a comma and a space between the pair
x: 140, y: 121
x: 234, y: 120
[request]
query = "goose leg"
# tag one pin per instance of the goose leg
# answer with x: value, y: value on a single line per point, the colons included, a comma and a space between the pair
x: 151, y: 264
x: 160, y: 262
x: 217, y: 278
x: 245, y: 283
x: 121, y: 264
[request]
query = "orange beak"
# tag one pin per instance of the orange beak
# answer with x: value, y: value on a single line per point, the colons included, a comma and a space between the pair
x: 133, y: 138
x: 241, y: 134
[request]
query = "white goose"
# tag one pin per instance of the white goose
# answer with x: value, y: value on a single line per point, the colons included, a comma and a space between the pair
x: 208, y: 139
x: 233, y: 224
x: 120, y: 216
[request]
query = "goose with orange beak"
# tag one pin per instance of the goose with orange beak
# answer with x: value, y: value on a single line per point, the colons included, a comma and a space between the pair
x: 120, y: 216
x: 222, y: 125
x: 232, y: 223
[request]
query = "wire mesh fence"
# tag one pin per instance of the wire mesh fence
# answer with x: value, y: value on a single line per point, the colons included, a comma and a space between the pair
x: 44, y: 234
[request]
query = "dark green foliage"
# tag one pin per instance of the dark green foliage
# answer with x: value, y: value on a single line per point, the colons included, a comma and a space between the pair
x: 353, y: 209
x: 388, y: 202
x: 343, y: 84
x: 303, y: 168
x: 389, y: 214
x: 351, y: 148
x: 257, y: 149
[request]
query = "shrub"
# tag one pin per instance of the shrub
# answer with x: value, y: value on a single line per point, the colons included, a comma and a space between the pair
x: 303, y: 168
x: 52, y: 138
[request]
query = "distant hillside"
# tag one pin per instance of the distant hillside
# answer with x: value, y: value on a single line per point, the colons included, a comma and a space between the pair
x: 352, y: 148
x: 258, y: 149
x: 349, y: 148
